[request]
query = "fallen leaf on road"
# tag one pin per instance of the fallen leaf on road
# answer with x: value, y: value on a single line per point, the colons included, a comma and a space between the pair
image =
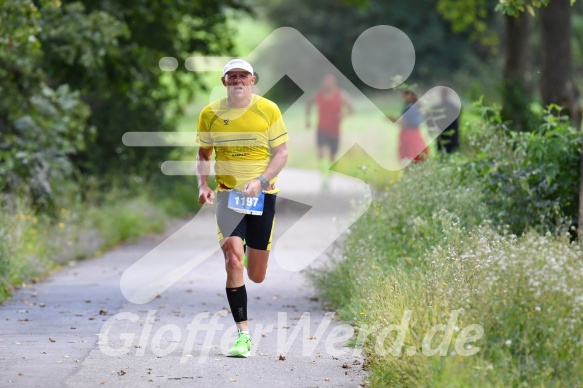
x: 52, y: 340
x: 234, y: 380
x: 281, y: 357
x: 103, y: 312
x: 41, y: 305
x: 326, y: 378
x: 311, y: 337
x: 121, y: 372
x: 21, y: 374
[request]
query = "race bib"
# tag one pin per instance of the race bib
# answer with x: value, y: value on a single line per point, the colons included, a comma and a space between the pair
x: 247, y: 205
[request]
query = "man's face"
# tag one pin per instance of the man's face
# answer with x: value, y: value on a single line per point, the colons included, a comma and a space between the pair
x: 238, y: 83
x: 329, y: 82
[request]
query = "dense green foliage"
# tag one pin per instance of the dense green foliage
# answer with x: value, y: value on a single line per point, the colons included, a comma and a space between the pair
x: 75, y: 76
x: 529, y: 179
x: 82, y: 73
x: 40, y: 126
x: 333, y: 26
x: 485, y: 234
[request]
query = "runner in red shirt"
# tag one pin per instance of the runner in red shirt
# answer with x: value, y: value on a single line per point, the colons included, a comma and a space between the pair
x: 411, y: 143
x: 331, y: 102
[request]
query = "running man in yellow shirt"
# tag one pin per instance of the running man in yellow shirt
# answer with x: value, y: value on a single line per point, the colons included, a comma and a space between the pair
x: 249, y: 138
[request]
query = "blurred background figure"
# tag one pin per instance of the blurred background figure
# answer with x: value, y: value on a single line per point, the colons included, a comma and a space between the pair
x: 441, y: 113
x: 411, y: 143
x: 333, y: 105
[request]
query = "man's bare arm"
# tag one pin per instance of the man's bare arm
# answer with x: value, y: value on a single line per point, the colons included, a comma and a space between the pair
x: 347, y: 102
x: 278, y: 161
x: 203, y: 168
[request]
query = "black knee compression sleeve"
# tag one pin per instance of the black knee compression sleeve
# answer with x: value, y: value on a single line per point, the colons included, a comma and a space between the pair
x: 238, y: 302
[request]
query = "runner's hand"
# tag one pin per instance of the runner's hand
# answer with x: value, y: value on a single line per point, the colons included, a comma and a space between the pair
x: 206, y: 196
x: 252, y: 188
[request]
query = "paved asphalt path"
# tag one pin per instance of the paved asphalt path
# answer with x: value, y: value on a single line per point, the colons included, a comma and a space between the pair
x: 76, y: 329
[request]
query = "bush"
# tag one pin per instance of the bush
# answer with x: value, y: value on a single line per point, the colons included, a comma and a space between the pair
x: 398, y: 228
x: 530, y: 179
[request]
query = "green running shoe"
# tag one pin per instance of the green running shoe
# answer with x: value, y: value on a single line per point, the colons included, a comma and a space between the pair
x: 241, y: 347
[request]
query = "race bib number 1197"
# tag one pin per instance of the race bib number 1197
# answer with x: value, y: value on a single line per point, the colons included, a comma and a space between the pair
x: 247, y: 205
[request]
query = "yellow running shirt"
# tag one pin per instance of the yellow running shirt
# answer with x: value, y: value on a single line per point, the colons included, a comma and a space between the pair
x: 242, y: 139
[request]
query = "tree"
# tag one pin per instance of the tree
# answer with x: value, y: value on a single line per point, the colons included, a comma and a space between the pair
x: 333, y: 26
x: 40, y: 126
x: 557, y: 86
x: 109, y: 50
x: 517, y: 74
x: 76, y: 75
x: 556, y: 60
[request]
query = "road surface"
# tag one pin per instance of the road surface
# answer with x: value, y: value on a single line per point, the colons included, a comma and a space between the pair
x: 76, y: 329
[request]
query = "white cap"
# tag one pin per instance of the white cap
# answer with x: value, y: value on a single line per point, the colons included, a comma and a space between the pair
x: 237, y: 64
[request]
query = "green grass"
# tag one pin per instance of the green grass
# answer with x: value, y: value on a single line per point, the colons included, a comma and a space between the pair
x: 32, y: 245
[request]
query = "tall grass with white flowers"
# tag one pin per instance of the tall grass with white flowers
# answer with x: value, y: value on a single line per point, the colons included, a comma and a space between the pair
x: 485, y: 235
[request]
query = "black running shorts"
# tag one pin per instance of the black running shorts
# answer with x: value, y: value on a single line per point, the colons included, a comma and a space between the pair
x: 326, y: 140
x: 255, y: 230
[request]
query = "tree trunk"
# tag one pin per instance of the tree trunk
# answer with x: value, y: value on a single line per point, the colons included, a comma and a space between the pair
x: 580, y: 220
x: 556, y: 83
x: 517, y: 72
x: 556, y: 70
